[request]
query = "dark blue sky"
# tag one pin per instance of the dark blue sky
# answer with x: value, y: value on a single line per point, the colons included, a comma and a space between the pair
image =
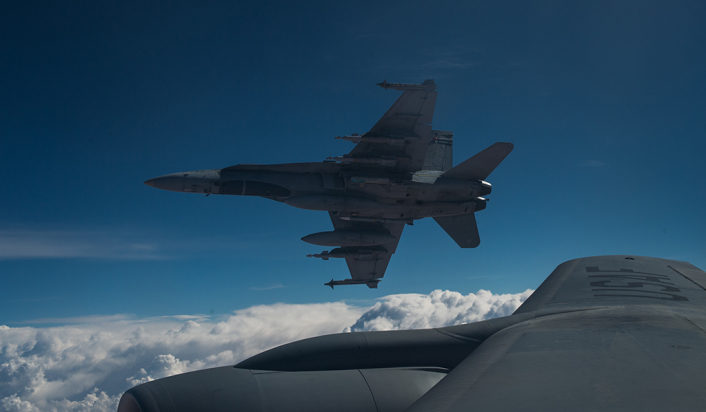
x: 604, y: 101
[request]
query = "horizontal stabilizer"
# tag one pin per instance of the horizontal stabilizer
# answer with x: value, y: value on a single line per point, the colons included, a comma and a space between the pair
x: 462, y: 229
x: 480, y: 166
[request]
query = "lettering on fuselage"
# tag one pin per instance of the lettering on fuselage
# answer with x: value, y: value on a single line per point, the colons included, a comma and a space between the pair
x: 632, y: 284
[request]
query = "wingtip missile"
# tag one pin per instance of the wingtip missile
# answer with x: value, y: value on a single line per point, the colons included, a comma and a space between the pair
x: 427, y: 85
x: 384, y: 84
x: 323, y: 255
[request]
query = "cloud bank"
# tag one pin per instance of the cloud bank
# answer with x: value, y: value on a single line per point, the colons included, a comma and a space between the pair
x: 439, y: 308
x: 87, y: 366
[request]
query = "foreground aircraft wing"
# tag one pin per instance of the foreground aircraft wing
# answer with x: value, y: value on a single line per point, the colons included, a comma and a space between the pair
x: 605, y: 333
x: 399, y: 140
x: 609, y: 333
x: 369, y: 267
x: 604, y: 281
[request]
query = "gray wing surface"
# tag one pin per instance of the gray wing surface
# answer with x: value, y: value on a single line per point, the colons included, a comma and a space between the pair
x: 407, y: 122
x: 373, y: 267
x: 611, y: 333
x: 620, y: 280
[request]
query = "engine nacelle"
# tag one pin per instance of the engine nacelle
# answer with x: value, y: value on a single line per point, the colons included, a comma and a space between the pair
x: 369, y: 371
x: 243, y: 390
x: 361, y: 371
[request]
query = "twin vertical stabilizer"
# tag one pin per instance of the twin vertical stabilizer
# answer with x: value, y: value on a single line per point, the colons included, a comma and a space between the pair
x: 480, y: 166
x: 463, y: 228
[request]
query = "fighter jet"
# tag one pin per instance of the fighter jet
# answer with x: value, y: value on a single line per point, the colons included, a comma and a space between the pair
x: 606, y: 333
x: 398, y: 172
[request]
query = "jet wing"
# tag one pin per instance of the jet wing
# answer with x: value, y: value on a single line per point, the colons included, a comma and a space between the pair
x: 399, y: 140
x: 609, y: 333
x: 369, y: 266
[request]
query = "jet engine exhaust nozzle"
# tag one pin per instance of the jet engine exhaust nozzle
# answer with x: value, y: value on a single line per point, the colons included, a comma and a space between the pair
x: 485, y: 188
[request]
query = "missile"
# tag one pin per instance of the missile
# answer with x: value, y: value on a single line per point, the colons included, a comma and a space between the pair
x: 355, y: 138
x: 428, y: 84
x: 348, y: 238
x: 372, y: 284
x: 323, y: 255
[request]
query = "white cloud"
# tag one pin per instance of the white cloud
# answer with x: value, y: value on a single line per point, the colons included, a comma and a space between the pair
x: 59, y: 368
x: 93, y: 401
x: 87, y: 366
x: 439, y: 308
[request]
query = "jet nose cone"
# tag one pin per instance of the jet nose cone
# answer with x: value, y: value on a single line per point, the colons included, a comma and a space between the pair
x: 173, y: 182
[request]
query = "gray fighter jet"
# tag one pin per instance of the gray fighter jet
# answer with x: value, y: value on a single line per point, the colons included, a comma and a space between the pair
x: 606, y: 333
x: 398, y: 172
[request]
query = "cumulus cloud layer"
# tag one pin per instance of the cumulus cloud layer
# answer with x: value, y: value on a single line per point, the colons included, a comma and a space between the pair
x: 439, y: 308
x: 87, y: 366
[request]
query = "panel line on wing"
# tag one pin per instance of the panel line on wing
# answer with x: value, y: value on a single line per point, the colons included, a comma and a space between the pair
x: 687, y: 278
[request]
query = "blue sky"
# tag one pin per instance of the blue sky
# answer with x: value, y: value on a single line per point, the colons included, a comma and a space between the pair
x: 603, y: 100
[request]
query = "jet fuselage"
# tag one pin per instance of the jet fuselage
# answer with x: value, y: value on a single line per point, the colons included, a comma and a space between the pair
x: 356, y: 196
